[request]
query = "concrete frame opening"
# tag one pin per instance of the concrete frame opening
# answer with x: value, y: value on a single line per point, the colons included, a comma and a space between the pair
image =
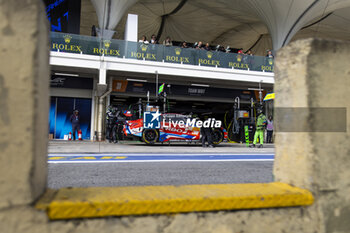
x: 303, y: 160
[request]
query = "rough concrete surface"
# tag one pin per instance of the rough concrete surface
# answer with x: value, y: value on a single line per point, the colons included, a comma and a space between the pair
x: 316, y: 74
x: 24, y: 72
x: 264, y: 221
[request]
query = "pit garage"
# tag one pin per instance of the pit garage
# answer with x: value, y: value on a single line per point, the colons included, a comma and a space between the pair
x: 234, y: 105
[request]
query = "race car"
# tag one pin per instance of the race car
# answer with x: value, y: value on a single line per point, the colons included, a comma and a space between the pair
x: 170, y: 132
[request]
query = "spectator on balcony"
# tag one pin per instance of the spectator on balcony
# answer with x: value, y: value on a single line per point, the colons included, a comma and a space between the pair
x: 93, y: 30
x: 199, y: 45
x: 184, y: 45
x: 248, y: 58
x: 144, y: 40
x: 269, y: 58
x: 239, y: 56
x: 168, y: 41
x: 269, y: 54
x: 221, y: 49
x: 154, y: 39
x: 207, y: 47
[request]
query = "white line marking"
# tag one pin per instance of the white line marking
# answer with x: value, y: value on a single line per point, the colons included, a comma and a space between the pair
x: 150, y: 161
x: 178, y: 154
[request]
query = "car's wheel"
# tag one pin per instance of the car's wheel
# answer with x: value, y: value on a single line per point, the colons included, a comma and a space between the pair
x: 150, y: 136
x: 217, y: 136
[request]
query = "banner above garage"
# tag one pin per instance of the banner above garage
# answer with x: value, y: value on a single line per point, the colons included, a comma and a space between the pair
x: 141, y: 88
x: 70, y: 43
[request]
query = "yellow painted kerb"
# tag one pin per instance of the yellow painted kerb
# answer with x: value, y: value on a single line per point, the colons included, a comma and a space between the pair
x: 118, y: 201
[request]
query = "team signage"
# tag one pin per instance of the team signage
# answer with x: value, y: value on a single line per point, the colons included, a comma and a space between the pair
x: 71, y: 82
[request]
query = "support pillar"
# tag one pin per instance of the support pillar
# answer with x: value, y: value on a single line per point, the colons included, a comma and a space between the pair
x: 285, y: 18
x: 24, y: 101
x: 312, y: 140
x: 109, y: 13
x: 102, y: 92
x: 131, y: 28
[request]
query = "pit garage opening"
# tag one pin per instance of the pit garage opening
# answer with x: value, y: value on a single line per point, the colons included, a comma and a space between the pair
x: 235, y: 107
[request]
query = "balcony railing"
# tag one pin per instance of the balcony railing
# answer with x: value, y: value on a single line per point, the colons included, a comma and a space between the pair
x: 71, y: 43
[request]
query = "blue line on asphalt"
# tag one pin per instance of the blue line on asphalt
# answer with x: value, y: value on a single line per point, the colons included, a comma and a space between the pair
x: 57, y: 158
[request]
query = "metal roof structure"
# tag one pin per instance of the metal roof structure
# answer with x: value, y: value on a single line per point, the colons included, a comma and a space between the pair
x: 250, y: 24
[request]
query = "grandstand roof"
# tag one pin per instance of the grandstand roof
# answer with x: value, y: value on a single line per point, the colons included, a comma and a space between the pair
x: 260, y: 24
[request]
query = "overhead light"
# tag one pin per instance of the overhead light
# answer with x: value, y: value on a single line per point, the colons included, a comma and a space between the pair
x: 65, y: 74
x: 137, y: 80
x: 255, y: 89
x: 200, y: 85
x: 118, y: 99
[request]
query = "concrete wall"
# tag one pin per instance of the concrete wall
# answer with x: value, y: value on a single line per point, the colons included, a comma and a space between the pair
x: 315, y: 74
x: 308, y: 73
x: 24, y: 104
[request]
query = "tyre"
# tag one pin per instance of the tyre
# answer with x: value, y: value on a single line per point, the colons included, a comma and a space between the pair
x: 217, y: 136
x: 150, y: 136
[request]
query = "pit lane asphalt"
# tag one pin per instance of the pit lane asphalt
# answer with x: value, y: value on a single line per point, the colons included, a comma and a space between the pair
x: 155, y: 173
